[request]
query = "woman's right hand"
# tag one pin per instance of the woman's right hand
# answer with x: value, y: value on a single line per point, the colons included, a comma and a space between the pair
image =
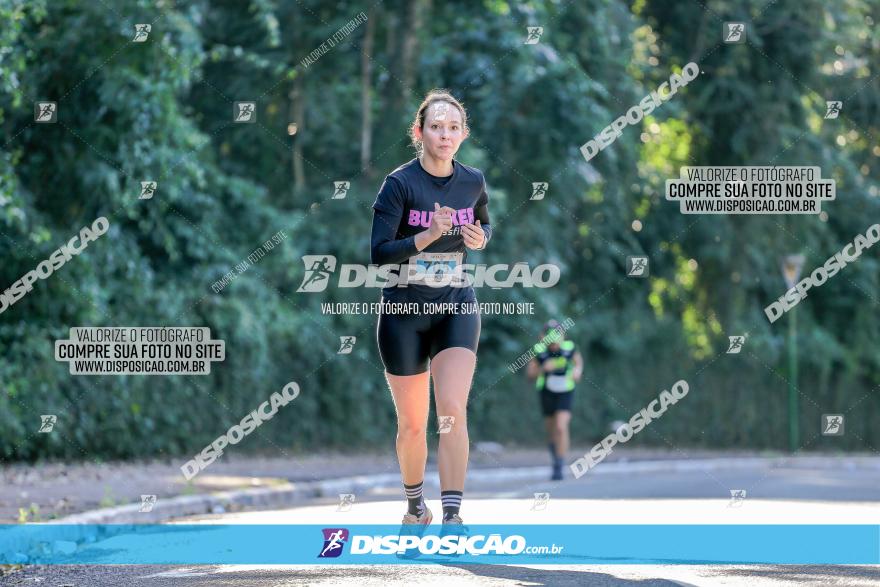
x: 441, y: 221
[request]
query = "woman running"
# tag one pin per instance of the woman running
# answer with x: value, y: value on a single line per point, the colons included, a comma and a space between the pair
x: 427, y: 213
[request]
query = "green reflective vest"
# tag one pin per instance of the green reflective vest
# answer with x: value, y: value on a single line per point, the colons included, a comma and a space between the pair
x: 563, y: 360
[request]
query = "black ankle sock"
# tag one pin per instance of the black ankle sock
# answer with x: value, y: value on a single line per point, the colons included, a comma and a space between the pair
x: 414, y: 498
x: 451, y: 503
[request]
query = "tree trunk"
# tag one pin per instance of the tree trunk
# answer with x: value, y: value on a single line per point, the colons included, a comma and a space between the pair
x: 297, y: 109
x: 366, y: 95
x: 386, y: 85
x: 415, y: 18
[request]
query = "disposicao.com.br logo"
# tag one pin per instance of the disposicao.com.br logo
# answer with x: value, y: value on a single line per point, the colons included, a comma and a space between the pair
x: 320, y: 268
x: 334, y: 540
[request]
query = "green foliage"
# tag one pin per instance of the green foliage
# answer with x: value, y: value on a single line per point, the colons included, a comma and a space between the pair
x: 161, y: 110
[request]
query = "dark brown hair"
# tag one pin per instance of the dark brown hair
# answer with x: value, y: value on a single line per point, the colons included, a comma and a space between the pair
x: 435, y: 95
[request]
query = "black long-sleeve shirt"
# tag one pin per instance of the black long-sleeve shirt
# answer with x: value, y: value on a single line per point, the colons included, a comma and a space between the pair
x: 405, y: 205
x: 386, y: 249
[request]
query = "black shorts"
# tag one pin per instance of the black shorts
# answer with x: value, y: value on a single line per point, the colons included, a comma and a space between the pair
x: 407, y: 341
x: 551, y: 401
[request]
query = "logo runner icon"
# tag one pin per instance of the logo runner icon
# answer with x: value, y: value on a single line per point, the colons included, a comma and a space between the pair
x: 245, y: 112
x: 832, y: 108
x: 45, y: 112
x: 346, y: 500
x: 318, y: 270
x: 737, y: 496
x: 148, y: 188
x: 47, y: 423
x: 832, y: 424
x: 346, y: 345
x: 736, y: 343
x: 734, y: 32
x: 444, y: 424
x: 341, y: 188
x: 534, y: 35
x: 540, y: 503
x: 637, y: 266
x: 440, y: 111
x: 539, y: 190
x: 334, y: 540
x: 147, y: 503
x: 141, y: 32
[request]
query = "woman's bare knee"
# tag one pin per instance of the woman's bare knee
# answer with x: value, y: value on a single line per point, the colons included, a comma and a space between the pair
x: 451, y: 407
x: 411, y: 430
x: 452, y: 370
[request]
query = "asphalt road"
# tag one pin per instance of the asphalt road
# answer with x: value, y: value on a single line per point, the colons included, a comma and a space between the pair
x: 787, y: 494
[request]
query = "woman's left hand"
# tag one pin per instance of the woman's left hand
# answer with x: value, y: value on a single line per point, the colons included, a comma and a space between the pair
x: 473, y: 235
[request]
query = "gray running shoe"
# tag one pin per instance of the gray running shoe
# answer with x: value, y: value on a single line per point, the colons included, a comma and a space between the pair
x: 453, y: 526
x: 414, y: 525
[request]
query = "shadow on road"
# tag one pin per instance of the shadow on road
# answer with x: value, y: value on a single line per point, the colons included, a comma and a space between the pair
x: 777, y: 574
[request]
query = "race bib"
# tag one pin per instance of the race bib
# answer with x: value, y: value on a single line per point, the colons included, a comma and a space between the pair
x: 435, y: 269
x: 556, y: 383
